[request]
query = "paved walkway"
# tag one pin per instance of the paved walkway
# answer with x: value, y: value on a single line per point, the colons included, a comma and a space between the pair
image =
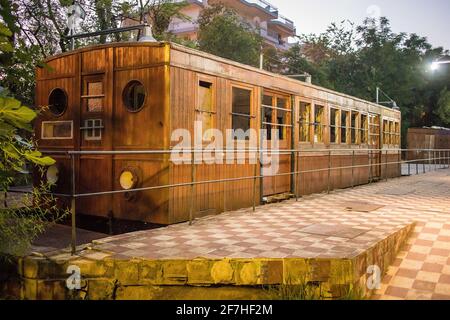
x: 342, y: 224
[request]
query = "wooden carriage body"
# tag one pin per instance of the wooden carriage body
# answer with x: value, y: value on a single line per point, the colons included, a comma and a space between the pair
x: 134, y: 96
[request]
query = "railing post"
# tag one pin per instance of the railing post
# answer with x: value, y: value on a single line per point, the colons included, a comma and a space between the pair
x: 423, y: 163
x: 73, y: 242
x: 255, y: 173
x: 386, y: 166
x: 329, y: 172
x: 369, y: 154
x: 297, y: 176
x: 193, y: 174
x: 353, y: 168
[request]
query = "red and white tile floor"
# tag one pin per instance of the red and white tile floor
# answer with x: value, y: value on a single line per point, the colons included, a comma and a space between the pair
x: 322, y: 226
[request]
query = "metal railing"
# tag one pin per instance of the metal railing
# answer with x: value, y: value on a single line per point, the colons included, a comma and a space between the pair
x: 375, y: 161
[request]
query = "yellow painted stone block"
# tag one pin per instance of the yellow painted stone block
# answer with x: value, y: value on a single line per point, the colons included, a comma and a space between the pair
x: 250, y: 273
x: 199, y: 272
x: 173, y: 272
x: 100, y: 289
x: 29, y: 290
x: 222, y: 272
x: 296, y: 272
x: 127, y: 272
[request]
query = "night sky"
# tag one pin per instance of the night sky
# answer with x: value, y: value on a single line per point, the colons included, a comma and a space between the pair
x: 429, y: 18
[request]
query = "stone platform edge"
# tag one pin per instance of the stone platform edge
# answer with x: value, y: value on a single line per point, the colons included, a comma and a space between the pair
x: 44, y: 278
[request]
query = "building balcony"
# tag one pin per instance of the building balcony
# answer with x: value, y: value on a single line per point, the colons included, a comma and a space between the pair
x: 285, y: 23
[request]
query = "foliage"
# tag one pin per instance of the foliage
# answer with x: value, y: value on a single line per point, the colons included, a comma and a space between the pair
x: 221, y: 32
x: 357, y: 59
x: 20, y: 225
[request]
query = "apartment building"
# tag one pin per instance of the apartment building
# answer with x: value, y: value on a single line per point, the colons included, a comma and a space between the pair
x: 274, y: 28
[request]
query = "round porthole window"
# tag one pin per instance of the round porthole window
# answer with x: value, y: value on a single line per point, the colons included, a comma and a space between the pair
x: 128, y: 179
x: 57, y: 102
x: 52, y: 175
x: 134, y: 96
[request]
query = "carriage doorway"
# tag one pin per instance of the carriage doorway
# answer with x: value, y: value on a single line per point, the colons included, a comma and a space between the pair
x: 374, y: 143
x: 276, y: 118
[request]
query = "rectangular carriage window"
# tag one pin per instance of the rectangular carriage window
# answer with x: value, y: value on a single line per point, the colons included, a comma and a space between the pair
x: 268, y: 115
x: 305, y: 121
x: 354, y: 127
x: 334, y: 124
x: 386, y: 133
x: 344, y: 127
x: 205, y: 108
x: 241, y: 110
x: 95, y: 89
x: 282, y: 118
x: 364, y: 128
x: 374, y: 130
x: 319, y: 118
x: 57, y: 130
x: 397, y: 133
x: 93, y: 129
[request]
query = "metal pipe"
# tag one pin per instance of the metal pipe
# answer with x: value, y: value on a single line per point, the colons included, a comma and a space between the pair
x: 106, y: 32
x: 73, y: 209
x: 353, y: 169
x: 193, y: 174
x: 255, y: 172
x: 329, y: 171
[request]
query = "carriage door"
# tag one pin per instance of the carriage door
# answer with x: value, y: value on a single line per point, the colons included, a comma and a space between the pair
x: 92, y: 137
x: 374, y: 143
x: 276, y: 115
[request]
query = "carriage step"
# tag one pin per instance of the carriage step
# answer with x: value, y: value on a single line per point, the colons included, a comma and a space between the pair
x: 278, y: 198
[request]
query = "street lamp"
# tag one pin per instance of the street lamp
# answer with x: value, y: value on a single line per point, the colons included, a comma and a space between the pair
x: 390, y: 101
x: 435, y: 64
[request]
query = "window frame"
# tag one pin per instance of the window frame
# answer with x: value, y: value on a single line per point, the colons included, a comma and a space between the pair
x: 347, y: 126
x: 364, y: 128
x: 55, y: 122
x: 323, y: 124
x: 355, y: 129
x: 252, y: 117
x: 86, y: 97
x: 65, y: 107
x: 91, y: 128
x: 336, y: 126
x: 309, y: 123
x: 199, y: 112
x: 127, y: 85
x: 274, y: 107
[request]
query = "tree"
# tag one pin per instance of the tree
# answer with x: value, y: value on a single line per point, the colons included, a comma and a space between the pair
x: 19, y: 226
x: 221, y: 32
x: 357, y: 60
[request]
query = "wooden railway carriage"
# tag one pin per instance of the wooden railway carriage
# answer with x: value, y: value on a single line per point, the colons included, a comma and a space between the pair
x: 132, y: 96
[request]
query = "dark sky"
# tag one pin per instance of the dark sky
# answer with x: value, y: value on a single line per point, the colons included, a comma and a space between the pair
x: 429, y: 18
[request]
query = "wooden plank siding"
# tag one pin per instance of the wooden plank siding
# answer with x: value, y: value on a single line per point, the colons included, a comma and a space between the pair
x: 170, y: 75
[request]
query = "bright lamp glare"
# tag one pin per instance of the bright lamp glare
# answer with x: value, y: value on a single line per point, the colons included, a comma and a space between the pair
x: 434, y: 66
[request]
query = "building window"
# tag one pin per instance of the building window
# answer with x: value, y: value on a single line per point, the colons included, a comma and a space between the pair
x: 57, y: 102
x: 344, y: 126
x: 319, y: 118
x: 241, y: 111
x: 54, y: 130
x: 205, y: 108
x: 364, y: 129
x: 354, y: 127
x: 93, y: 129
x: 305, y: 122
x: 134, y: 96
x: 334, y: 123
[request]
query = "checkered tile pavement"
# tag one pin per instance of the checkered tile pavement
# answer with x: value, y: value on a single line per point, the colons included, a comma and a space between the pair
x: 323, y: 226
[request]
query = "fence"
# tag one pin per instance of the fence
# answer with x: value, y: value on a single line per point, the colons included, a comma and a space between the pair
x: 434, y: 159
